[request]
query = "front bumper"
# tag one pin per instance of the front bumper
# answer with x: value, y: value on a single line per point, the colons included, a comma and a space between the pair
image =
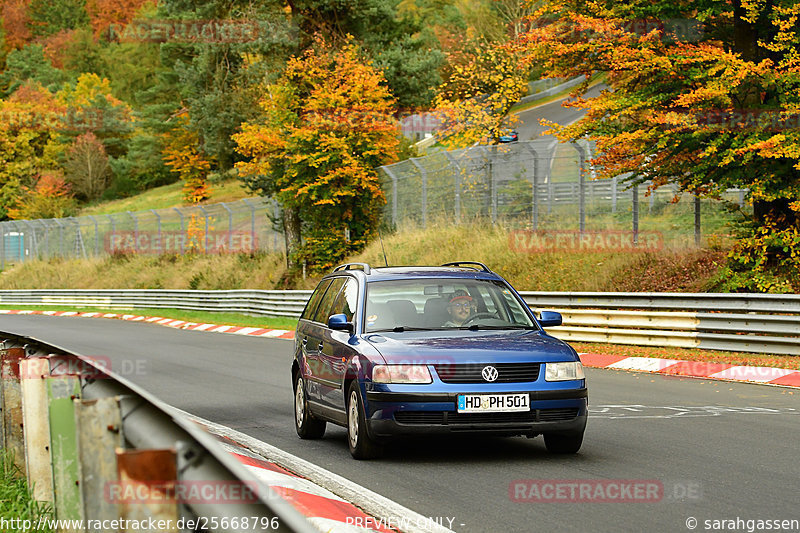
x: 403, y: 413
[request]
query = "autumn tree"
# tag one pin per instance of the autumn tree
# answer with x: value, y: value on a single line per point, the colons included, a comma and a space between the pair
x: 483, y: 83
x: 327, y: 126
x: 704, y: 97
x: 48, y: 197
x: 86, y: 167
x: 185, y: 157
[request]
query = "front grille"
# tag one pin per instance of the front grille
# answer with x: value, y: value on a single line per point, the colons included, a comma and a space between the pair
x: 471, y: 373
x: 454, y: 418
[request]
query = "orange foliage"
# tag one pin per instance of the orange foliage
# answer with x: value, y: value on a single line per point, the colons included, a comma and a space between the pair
x: 182, y: 153
x: 15, y: 23
x: 104, y: 13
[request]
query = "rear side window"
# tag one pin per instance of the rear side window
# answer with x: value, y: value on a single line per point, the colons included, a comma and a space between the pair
x: 326, y: 304
x: 313, y: 302
x: 347, y: 300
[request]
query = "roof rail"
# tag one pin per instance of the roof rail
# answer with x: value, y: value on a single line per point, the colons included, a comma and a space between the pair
x: 349, y: 266
x: 470, y: 264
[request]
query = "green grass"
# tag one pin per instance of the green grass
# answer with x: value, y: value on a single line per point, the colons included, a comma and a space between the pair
x: 16, y: 502
x: 222, y: 319
x: 164, y: 197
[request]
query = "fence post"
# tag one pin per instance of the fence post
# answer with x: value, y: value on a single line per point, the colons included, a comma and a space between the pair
x: 2, y: 246
x: 535, y: 186
x: 697, y: 235
x: 614, y: 194
x: 135, y: 231
x: 183, y: 237
x: 635, y: 191
x: 61, y: 390
x: 393, y: 177
x: 13, y: 440
x: 581, y: 187
x: 60, y: 236
x: 99, y: 430
x: 158, y: 222
x: 457, y: 186
x: 230, y: 226
x: 205, y: 240
x: 96, y: 236
x: 33, y: 373
x: 424, y: 175
x: 252, y: 222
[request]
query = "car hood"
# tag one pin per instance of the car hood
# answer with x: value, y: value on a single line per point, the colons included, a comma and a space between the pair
x: 443, y: 347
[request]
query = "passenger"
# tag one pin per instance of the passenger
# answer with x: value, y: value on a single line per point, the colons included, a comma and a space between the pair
x: 460, y: 308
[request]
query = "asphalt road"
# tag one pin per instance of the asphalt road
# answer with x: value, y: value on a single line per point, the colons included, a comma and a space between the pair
x: 529, y: 127
x: 720, y: 450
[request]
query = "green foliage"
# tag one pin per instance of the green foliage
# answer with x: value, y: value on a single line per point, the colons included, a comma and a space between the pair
x: 28, y: 64
x: 48, y: 17
x: 16, y: 501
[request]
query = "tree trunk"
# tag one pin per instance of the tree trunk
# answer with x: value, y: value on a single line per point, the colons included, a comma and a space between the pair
x: 291, y: 232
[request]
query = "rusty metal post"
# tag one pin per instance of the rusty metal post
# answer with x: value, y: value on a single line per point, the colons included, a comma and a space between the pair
x: 61, y: 393
x: 99, y: 425
x: 35, y: 420
x: 152, y: 473
x: 13, y: 438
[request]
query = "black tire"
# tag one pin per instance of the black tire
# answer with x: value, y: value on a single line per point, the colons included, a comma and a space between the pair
x: 563, y: 443
x: 305, y: 424
x: 360, y: 443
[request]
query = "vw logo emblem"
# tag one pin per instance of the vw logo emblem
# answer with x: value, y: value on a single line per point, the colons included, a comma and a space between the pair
x: 489, y: 373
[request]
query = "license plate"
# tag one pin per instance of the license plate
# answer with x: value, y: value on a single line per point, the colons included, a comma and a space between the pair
x: 493, y: 403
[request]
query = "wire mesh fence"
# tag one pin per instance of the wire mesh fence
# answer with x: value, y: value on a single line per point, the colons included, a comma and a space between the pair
x: 535, y: 185
x: 241, y: 226
x: 545, y: 185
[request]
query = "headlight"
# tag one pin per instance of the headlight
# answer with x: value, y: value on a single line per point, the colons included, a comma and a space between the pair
x: 563, y: 371
x: 401, y: 374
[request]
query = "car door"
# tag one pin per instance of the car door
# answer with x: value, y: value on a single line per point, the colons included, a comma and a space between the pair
x: 335, y: 349
x: 319, y: 375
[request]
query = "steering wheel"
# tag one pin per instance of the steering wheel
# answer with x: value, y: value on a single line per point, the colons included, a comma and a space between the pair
x: 478, y: 315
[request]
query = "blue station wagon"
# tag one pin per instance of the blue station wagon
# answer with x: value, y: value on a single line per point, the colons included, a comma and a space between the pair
x: 410, y: 351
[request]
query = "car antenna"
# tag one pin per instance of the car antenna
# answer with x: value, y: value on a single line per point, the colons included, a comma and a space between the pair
x: 383, y: 249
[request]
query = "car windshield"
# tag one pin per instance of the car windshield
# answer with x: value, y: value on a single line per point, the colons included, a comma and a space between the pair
x: 443, y: 304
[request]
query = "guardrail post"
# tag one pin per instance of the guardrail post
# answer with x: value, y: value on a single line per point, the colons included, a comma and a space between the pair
x: 33, y: 374
x: 152, y: 473
x: 13, y: 439
x: 61, y: 391
x: 99, y: 425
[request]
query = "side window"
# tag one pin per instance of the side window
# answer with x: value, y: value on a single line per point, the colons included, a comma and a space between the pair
x: 313, y: 302
x: 325, y: 305
x: 347, y: 300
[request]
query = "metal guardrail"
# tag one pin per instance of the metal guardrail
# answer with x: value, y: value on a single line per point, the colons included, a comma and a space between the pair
x: 761, y: 323
x: 85, y: 436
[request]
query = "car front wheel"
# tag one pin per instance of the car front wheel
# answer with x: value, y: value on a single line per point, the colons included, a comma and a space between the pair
x: 563, y: 443
x: 305, y: 424
x: 360, y: 444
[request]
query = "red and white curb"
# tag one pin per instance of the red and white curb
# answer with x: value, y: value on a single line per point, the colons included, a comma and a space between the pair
x: 169, y: 322
x: 330, y: 502
x: 696, y: 369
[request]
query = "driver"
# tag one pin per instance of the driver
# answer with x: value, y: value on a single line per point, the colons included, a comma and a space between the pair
x: 460, y: 308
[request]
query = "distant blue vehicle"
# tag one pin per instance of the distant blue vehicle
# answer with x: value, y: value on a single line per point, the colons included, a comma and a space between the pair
x: 508, y: 137
x: 421, y: 350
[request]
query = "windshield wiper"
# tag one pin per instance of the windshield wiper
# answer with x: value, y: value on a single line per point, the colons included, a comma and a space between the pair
x: 401, y: 329
x: 476, y: 327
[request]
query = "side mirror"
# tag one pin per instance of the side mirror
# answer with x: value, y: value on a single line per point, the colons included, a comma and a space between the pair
x: 550, y: 318
x: 339, y: 322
